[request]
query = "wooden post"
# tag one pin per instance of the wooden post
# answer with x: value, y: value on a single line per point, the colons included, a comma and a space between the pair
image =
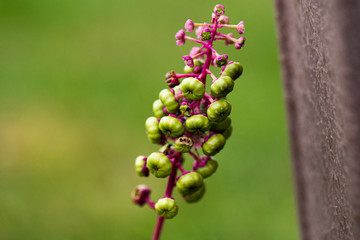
x: 320, y: 55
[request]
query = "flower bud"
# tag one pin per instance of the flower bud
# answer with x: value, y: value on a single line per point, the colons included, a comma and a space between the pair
x: 196, y: 196
x: 220, y: 126
x: 171, y: 79
x: 180, y: 36
x: 228, y: 40
x: 166, y: 207
x: 153, y: 130
x: 168, y: 99
x: 188, y: 60
x: 192, y: 88
x: 227, y: 132
x: 241, y: 27
x: 219, y: 110
x: 197, y: 124
x: 223, y: 19
x: 183, y: 144
x: 194, y: 51
x: 214, y: 144
x: 140, y: 194
x: 158, y: 107
x: 189, y: 25
x: 219, y: 10
x: 222, y: 87
x: 189, y: 183
x: 233, y: 70
x: 209, y: 168
x: 206, y: 34
x: 140, y: 166
x: 240, y: 43
x: 221, y: 60
x: 171, y: 127
x: 159, y: 165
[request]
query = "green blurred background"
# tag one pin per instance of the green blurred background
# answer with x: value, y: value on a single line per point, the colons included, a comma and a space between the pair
x: 77, y: 81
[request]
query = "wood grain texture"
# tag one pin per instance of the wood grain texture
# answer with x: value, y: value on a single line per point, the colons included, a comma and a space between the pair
x: 320, y: 55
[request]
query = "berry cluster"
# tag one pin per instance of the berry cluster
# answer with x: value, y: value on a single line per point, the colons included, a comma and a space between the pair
x: 187, y: 119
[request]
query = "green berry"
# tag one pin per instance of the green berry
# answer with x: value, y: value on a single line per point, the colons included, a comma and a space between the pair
x: 198, y: 62
x: 227, y: 132
x: 196, y: 196
x: 207, y: 170
x: 219, y: 110
x: 189, y: 183
x: 159, y: 165
x: 158, y: 108
x: 188, y: 69
x: 171, y: 127
x: 220, y: 126
x: 192, y: 88
x: 183, y: 144
x: 166, y: 207
x: 214, y: 144
x: 185, y: 110
x: 153, y: 130
x: 197, y: 124
x: 233, y: 70
x: 222, y: 87
x: 139, y: 165
x: 168, y: 99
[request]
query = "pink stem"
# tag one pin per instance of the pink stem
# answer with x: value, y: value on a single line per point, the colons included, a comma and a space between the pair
x: 187, y: 75
x: 150, y: 203
x: 211, y: 74
x: 168, y: 193
x: 194, y: 156
x: 194, y: 40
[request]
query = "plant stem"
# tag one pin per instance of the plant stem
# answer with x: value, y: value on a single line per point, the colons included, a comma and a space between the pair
x: 168, y: 193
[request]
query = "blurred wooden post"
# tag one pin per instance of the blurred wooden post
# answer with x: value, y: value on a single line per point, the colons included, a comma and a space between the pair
x: 320, y: 55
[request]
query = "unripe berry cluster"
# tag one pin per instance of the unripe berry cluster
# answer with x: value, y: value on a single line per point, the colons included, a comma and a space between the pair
x: 189, y: 120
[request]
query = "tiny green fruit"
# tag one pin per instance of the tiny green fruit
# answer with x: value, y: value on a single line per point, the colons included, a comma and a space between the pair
x: 158, y: 108
x: 168, y: 99
x: 207, y: 170
x: 222, y: 87
x: 183, y: 144
x: 192, y: 88
x: 166, y: 207
x: 214, y: 144
x: 233, y: 70
x: 171, y: 127
x: 189, y: 183
x: 218, y: 111
x: 159, y: 165
x: 197, y: 124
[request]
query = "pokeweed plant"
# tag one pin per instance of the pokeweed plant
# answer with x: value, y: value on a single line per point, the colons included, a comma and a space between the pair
x: 187, y: 119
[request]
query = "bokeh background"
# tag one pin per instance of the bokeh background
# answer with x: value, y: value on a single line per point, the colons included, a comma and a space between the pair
x: 77, y: 81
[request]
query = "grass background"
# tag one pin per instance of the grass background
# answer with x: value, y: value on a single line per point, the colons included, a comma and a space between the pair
x: 77, y: 81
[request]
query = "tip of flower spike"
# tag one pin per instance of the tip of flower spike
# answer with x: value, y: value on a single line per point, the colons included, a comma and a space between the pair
x: 240, y: 43
x: 189, y: 25
x: 219, y: 10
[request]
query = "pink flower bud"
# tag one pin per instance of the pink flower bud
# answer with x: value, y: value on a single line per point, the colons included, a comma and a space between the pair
x: 180, y: 35
x: 240, y: 43
x: 220, y: 60
x: 188, y: 61
x: 241, y: 27
x: 219, y: 10
x: 189, y: 25
x: 228, y: 41
x: 223, y: 19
